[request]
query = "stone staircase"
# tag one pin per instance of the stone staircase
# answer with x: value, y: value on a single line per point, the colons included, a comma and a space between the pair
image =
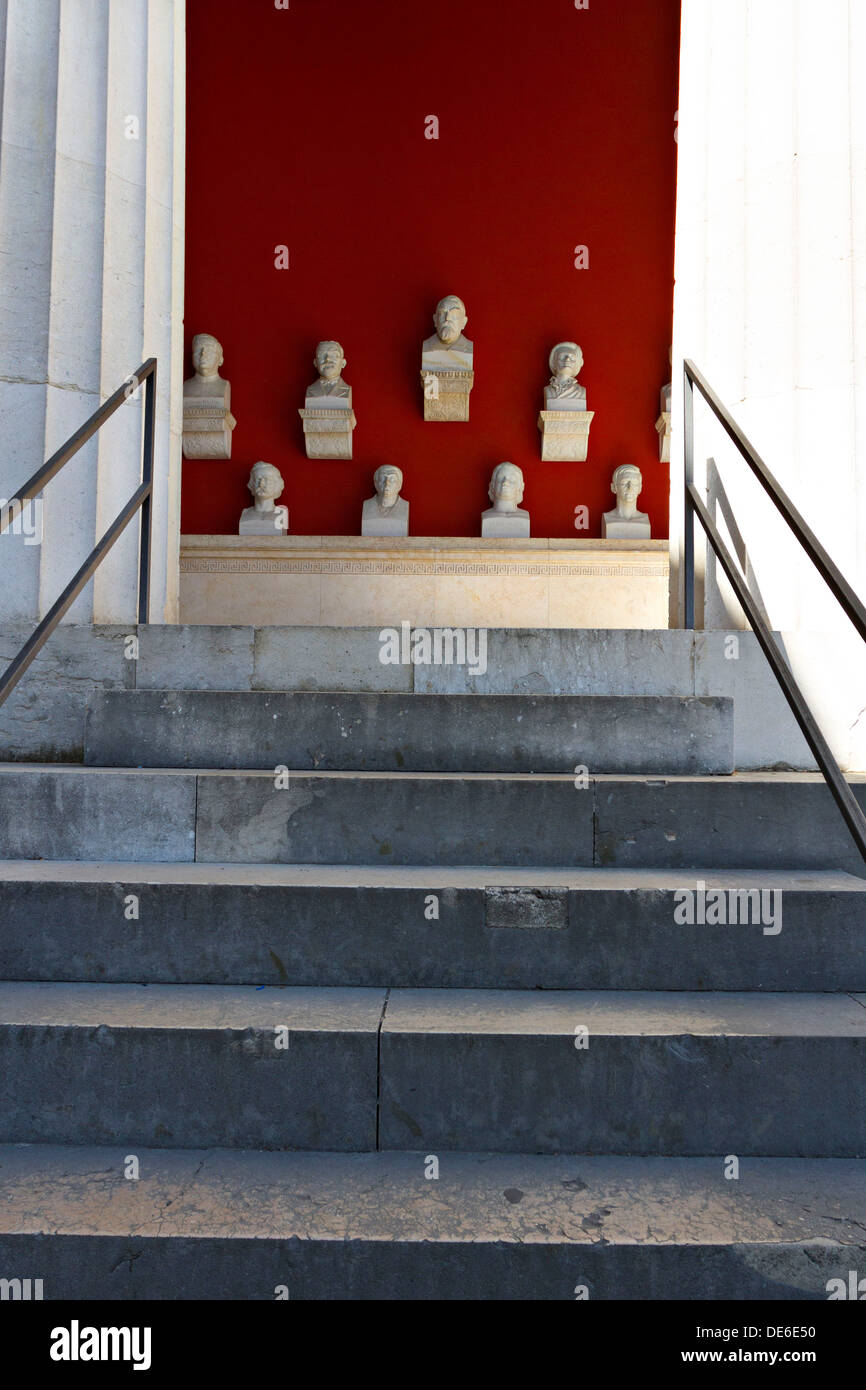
x: 388, y: 994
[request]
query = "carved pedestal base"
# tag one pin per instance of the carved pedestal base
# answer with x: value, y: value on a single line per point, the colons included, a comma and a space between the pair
x: 328, y: 432
x: 446, y: 394
x: 663, y: 425
x: 207, y: 434
x: 565, y: 434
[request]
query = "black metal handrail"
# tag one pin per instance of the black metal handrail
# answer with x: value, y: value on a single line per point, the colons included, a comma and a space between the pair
x: 140, y: 500
x: 838, y: 585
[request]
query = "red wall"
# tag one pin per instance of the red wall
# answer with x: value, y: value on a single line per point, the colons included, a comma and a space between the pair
x: 306, y: 127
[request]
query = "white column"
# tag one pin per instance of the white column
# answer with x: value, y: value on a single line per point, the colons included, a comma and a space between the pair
x: 91, y: 283
x: 770, y: 302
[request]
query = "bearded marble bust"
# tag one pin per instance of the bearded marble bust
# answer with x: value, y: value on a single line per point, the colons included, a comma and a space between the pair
x: 562, y: 391
x: 386, y: 513
x: 448, y: 349
x: 330, y: 386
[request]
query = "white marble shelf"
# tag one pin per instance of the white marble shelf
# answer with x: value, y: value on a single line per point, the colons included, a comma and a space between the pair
x: 432, y: 580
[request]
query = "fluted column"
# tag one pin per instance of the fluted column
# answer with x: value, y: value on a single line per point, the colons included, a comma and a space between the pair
x: 91, y: 283
x: 770, y: 301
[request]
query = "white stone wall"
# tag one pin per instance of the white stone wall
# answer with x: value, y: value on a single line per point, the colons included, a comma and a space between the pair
x: 91, y: 283
x: 770, y: 302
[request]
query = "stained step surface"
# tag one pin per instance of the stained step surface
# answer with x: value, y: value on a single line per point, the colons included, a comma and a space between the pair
x: 751, y: 820
x: 241, y: 1225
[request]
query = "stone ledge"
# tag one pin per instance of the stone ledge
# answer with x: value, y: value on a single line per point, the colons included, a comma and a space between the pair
x: 367, y: 1225
x: 444, y: 580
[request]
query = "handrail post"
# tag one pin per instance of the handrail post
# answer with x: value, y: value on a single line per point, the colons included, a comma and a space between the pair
x: 146, y: 519
x: 689, y: 514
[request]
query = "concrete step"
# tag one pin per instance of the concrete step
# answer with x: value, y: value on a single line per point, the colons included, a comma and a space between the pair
x: 224, y: 1225
x: 506, y: 1071
x: 44, y: 716
x: 750, y: 820
x: 189, y: 1066
x: 411, y: 733
x: 430, y: 927
x: 627, y: 1073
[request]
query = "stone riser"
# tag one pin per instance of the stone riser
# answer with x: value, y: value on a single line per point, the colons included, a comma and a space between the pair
x: 625, y: 1095
x: 522, y: 936
x: 188, y: 1067
x: 44, y: 716
x: 414, y: 733
x: 232, y: 1225
x: 433, y: 1070
x: 134, y: 1268
x: 785, y: 821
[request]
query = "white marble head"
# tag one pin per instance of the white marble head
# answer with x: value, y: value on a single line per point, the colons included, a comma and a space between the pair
x: 266, y: 484
x: 207, y: 355
x: 565, y: 361
x: 450, y: 319
x: 329, y: 360
x: 626, y: 483
x: 388, y: 480
x: 506, y: 487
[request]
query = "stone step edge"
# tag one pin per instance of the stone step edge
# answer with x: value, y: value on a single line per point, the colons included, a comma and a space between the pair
x: 433, y: 1013
x: 72, y: 873
x: 52, y: 1190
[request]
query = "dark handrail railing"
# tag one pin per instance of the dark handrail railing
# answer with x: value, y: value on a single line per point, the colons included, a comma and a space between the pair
x: 839, y: 586
x: 140, y: 500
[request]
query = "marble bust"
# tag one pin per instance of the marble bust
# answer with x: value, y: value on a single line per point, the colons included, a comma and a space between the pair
x: 447, y: 374
x: 448, y: 347
x: 330, y: 386
x: 563, y: 391
x: 207, y: 418
x: 264, y: 518
x: 663, y: 423
x: 564, y: 420
x: 386, y: 513
x: 625, y: 522
x: 506, y: 517
x: 327, y: 413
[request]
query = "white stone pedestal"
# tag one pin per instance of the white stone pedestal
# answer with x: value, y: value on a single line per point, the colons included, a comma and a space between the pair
x: 328, y: 431
x: 207, y: 429
x: 446, y: 394
x: 663, y: 426
x: 565, y: 434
